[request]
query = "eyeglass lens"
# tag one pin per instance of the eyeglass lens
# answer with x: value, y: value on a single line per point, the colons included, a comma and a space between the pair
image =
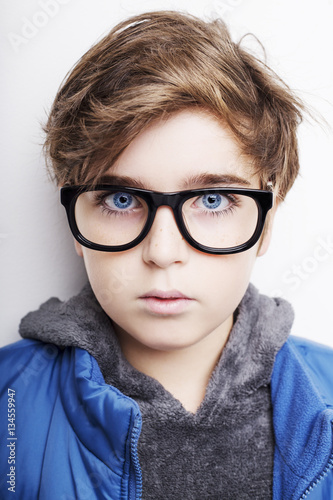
x: 216, y: 220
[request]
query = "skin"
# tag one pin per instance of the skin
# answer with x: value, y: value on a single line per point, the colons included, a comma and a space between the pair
x: 179, y: 350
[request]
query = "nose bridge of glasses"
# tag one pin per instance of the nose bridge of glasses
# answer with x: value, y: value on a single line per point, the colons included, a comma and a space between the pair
x: 166, y: 200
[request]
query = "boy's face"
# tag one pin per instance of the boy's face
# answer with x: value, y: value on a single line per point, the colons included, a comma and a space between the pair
x: 164, y: 158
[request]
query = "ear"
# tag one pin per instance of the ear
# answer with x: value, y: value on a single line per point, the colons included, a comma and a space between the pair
x: 265, y: 241
x: 78, y: 248
x: 267, y: 235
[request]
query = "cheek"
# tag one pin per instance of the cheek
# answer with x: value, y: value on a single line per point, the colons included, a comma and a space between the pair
x: 226, y: 278
x: 110, y: 276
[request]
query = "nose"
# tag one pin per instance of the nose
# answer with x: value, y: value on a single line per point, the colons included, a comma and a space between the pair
x: 164, y: 245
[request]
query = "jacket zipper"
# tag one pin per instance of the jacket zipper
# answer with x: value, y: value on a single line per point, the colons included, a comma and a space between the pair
x: 137, y: 482
x: 319, y: 478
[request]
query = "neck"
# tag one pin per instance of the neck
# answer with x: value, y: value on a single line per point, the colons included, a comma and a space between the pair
x: 185, y: 372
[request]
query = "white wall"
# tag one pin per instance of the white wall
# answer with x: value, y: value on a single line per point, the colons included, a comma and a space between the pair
x: 42, y: 39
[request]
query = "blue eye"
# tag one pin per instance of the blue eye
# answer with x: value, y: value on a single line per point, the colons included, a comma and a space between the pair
x: 119, y: 200
x: 211, y: 200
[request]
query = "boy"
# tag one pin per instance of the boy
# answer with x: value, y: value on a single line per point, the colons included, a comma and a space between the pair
x: 169, y: 143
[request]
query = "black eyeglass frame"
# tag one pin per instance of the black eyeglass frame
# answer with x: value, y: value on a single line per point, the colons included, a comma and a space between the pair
x: 175, y: 200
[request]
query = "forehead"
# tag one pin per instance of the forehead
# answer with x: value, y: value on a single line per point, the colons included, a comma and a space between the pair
x: 187, y: 150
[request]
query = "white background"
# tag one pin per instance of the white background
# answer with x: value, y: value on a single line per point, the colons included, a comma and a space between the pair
x: 40, y: 42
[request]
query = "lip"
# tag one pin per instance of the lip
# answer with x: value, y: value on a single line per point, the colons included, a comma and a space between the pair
x: 165, y: 303
x: 160, y: 294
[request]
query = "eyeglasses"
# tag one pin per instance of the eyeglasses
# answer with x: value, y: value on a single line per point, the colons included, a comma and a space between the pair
x: 212, y: 220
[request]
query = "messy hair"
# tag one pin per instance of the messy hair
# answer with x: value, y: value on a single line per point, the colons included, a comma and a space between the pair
x: 159, y: 63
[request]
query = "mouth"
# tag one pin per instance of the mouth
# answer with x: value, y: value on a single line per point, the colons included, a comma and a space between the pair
x: 165, y: 303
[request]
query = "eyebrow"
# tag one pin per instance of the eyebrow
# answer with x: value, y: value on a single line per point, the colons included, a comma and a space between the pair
x: 194, y: 181
x: 207, y: 179
x: 122, y: 180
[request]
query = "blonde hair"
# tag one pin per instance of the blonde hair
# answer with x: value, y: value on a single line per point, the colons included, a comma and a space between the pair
x: 158, y: 63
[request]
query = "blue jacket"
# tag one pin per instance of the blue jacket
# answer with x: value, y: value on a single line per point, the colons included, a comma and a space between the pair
x: 65, y: 434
